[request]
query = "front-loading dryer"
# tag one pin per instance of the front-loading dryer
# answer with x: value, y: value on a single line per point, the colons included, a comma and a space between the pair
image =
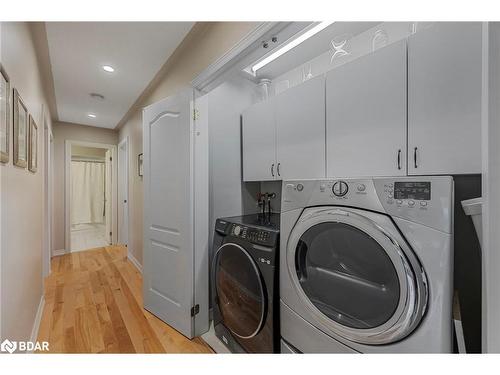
x: 367, y: 265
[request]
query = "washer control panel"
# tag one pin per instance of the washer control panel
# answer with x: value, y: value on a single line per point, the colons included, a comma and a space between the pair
x: 254, y: 235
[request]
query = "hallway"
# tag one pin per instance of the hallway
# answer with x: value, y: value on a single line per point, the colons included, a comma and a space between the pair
x: 93, y: 304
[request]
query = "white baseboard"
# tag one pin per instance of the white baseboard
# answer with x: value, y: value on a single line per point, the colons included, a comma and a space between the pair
x: 38, y: 319
x: 56, y: 253
x: 134, y: 261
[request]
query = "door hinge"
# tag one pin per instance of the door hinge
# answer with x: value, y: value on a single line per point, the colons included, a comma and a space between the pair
x: 110, y: 233
x: 196, y: 114
x: 110, y: 158
x: 195, y: 310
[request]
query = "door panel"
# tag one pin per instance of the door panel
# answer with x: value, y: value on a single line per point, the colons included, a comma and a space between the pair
x: 259, y: 142
x: 334, y: 252
x: 347, y: 275
x: 444, y: 99
x: 240, y: 291
x: 168, y: 240
x: 108, y: 195
x: 366, y: 115
x: 123, y: 192
x: 300, y: 131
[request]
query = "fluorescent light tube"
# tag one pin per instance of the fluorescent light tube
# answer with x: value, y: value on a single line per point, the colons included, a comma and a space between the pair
x: 290, y: 45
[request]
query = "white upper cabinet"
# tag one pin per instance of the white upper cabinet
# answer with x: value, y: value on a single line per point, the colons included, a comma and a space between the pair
x: 444, y: 99
x: 259, y: 142
x: 300, y: 135
x: 366, y: 115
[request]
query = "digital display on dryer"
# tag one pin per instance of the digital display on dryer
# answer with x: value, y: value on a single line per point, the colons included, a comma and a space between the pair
x: 412, y: 190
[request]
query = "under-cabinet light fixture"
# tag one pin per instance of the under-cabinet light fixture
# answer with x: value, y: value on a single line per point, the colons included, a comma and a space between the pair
x: 290, y: 45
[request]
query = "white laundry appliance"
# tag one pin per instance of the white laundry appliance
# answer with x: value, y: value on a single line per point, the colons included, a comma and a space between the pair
x: 367, y: 265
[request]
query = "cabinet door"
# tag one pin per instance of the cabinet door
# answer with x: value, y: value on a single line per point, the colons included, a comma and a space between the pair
x: 259, y: 142
x: 300, y: 124
x: 366, y: 115
x: 444, y: 99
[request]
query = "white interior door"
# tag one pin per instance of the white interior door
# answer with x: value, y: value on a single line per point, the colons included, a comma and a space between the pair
x: 170, y: 257
x: 48, y: 200
x: 123, y: 192
x: 108, y: 183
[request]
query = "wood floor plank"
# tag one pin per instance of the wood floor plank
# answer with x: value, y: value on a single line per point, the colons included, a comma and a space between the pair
x: 93, y: 304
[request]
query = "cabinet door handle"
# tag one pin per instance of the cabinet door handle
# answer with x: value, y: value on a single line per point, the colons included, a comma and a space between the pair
x: 278, y: 169
x: 415, y: 157
x: 399, y: 159
x: 272, y: 169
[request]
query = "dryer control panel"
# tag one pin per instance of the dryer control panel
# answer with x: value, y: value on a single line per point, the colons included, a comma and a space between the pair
x: 426, y: 200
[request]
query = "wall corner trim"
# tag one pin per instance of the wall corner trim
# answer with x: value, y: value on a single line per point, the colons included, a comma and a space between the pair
x: 38, y: 319
x: 134, y: 261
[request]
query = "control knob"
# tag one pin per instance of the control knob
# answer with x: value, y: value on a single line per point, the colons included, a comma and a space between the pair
x: 340, y: 188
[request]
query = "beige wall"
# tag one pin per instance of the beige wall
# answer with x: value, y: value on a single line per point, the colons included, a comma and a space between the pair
x: 74, y: 132
x: 22, y: 194
x: 88, y: 152
x: 202, y: 46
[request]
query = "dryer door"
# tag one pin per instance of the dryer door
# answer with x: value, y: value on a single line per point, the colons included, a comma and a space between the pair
x: 359, y: 280
x: 240, y: 291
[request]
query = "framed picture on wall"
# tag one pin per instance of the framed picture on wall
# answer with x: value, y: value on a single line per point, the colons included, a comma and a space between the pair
x: 20, y: 132
x: 4, y: 115
x: 33, y: 146
x: 139, y: 164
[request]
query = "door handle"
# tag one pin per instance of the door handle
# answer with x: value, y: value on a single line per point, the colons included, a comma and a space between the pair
x: 278, y: 169
x: 399, y: 159
x: 272, y: 169
x: 415, y: 157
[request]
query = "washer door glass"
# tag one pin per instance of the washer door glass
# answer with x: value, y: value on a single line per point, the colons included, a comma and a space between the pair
x: 240, y: 291
x: 347, y: 275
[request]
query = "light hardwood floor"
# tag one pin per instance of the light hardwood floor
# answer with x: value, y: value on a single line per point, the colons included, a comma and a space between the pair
x: 93, y: 304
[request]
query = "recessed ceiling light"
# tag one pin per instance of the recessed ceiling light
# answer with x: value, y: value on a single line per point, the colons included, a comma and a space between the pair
x: 108, y: 68
x: 91, y: 115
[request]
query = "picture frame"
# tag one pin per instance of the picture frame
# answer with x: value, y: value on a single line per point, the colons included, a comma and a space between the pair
x: 5, y: 118
x: 140, y: 159
x: 21, y: 118
x: 33, y: 146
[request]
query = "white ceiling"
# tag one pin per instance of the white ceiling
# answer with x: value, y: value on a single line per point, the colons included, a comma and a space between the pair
x: 137, y: 50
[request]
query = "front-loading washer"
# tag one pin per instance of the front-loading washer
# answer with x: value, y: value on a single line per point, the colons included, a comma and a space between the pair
x: 245, y: 284
x: 367, y: 265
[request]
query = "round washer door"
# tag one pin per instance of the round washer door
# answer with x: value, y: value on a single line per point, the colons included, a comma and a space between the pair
x: 358, y: 280
x: 240, y: 291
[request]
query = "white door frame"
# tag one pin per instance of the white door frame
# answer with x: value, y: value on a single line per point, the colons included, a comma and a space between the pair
x: 124, y: 145
x: 48, y: 198
x: 67, y: 187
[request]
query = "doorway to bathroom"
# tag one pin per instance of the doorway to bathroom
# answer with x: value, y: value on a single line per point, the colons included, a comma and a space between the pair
x: 90, y: 195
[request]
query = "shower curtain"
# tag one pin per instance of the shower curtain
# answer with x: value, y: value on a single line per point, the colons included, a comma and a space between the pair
x: 87, y: 192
